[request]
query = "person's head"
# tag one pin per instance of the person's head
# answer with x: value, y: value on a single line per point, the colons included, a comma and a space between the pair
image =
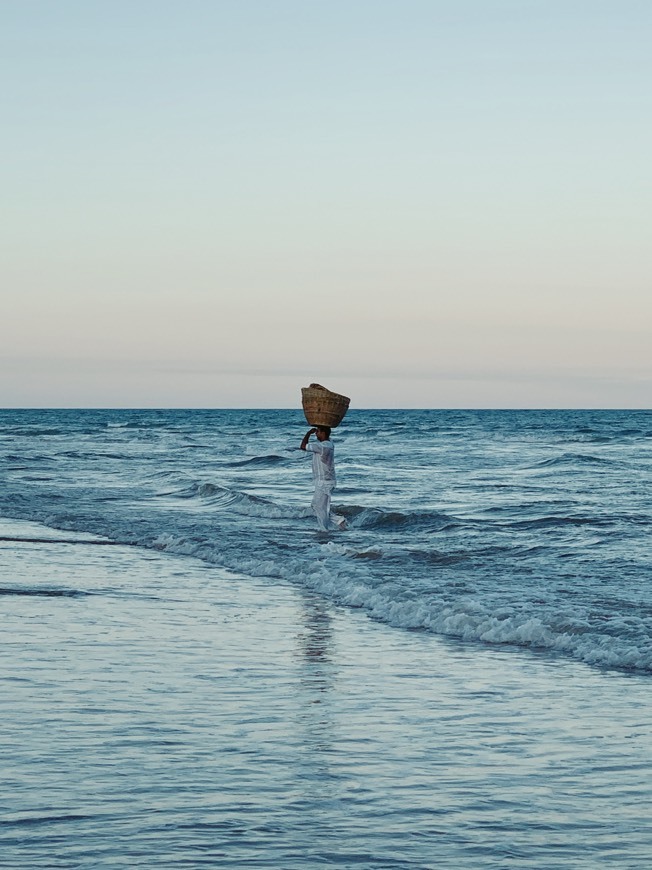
x: 323, y: 433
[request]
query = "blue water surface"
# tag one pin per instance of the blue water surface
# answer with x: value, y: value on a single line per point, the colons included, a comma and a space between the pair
x: 528, y: 528
x: 191, y: 675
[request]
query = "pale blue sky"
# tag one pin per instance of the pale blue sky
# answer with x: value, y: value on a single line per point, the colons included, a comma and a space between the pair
x: 417, y: 203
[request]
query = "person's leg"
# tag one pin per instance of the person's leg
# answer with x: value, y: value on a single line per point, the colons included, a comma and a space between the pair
x: 321, y: 504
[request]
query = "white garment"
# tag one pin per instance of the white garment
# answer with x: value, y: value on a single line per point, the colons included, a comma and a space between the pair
x: 323, y: 461
x: 323, y: 473
x: 321, y: 504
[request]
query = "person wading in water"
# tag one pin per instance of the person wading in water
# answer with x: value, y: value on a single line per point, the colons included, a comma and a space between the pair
x: 323, y: 473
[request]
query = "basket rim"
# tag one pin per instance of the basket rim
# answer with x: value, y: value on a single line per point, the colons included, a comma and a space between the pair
x: 317, y: 391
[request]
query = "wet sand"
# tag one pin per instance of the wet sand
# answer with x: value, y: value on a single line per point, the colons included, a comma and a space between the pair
x: 160, y: 712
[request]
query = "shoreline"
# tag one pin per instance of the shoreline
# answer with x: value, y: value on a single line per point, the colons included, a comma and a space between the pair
x: 161, y: 709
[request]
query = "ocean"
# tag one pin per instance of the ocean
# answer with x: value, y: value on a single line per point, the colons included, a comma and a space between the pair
x: 193, y: 675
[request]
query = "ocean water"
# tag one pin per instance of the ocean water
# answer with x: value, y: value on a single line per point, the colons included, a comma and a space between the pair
x: 193, y: 675
x: 527, y: 528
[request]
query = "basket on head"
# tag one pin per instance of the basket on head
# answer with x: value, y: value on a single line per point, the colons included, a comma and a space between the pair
x: 322, y: 407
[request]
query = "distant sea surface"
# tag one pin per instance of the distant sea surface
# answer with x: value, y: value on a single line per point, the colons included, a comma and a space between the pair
x: 528, y: 529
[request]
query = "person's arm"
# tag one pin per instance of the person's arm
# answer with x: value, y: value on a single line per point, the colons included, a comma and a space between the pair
x: 306, y: 438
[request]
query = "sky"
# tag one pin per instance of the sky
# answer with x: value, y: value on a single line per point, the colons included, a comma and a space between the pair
x: 417, y: 203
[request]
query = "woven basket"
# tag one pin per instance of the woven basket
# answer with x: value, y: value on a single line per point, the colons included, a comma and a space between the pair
x: 322, y: 407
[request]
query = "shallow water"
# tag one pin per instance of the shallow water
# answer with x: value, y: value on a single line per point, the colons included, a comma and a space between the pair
x: 527, y: 528
x: 159, y: 711
x: 193, y: 676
